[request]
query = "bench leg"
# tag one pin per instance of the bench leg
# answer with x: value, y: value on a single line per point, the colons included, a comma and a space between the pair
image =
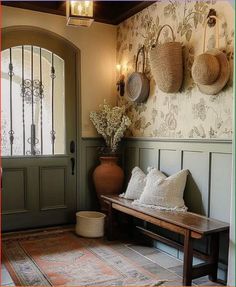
x: 214, y: 256
x: 110, y: 222
x: 188, y: 259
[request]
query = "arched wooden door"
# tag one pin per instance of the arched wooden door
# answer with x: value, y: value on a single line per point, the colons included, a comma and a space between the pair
x: 39, y: 124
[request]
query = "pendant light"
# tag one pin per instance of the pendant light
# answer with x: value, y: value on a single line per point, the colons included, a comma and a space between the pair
x: 79, y: 13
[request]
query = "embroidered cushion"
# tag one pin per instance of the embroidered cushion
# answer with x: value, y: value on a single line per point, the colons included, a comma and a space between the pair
x: 164, y: 192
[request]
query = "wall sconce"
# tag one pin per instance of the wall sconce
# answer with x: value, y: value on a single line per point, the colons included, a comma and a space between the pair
x: 79, y: 13
x: 211, y: 21
x: 121, y: 81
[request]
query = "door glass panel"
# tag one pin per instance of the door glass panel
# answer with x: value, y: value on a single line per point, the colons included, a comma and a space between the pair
x: 32, y: 102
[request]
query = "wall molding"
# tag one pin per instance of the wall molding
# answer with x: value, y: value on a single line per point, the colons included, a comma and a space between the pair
x: 154, y: 139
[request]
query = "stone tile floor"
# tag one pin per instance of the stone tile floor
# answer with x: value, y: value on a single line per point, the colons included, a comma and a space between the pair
x: 152, y: 259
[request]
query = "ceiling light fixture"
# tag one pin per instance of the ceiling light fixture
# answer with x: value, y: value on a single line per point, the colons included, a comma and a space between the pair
x: 79, y: 13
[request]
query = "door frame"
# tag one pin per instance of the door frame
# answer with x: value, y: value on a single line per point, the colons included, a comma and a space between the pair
x: 29, y: 35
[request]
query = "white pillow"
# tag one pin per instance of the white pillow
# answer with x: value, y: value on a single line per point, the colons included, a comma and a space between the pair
x: 136, y: 184
x: 164, y: 193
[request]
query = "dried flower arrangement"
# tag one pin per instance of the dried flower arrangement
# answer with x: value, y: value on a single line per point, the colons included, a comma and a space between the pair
x: 111, y: 123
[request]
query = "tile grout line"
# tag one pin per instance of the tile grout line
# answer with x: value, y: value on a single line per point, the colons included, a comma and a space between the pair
x: 155, y: 262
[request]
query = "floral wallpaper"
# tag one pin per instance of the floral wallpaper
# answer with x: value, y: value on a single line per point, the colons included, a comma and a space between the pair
x: 188, y: 114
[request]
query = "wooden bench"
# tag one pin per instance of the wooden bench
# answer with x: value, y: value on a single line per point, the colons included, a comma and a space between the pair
x: 192, y: 226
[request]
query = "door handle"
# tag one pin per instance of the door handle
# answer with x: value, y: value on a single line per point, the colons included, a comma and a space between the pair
x: 72, y: 147
x: 72, y: 160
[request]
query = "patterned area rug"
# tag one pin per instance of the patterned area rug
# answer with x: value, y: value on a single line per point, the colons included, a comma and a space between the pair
x: 67, y: 260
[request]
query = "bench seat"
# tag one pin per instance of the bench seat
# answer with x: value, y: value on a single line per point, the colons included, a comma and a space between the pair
x: 192, y: 226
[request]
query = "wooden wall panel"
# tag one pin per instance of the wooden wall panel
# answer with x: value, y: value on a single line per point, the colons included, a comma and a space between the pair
x: 197, y: 188
x: 170, y: 161
x: 92, y: 161
x: 148, y: 157
x: 14, y: 197
x: 52, y: 187
x: 130, y: 159
x: 221, y: 171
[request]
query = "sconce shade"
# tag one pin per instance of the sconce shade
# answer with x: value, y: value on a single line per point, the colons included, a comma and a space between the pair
x: 79, y: 13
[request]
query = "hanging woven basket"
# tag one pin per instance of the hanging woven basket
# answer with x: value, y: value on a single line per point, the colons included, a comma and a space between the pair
x: 166, y: 62
x: 138, y: 84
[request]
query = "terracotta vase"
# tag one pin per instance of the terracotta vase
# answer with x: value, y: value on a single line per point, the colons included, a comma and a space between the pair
x: 108, y: 178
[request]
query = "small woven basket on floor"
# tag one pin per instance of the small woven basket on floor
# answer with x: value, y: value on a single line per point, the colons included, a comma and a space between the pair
x: 90, y: 224
x: 166, y: 62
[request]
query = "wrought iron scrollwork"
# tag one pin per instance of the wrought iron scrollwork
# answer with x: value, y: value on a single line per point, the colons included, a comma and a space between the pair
x: 53, y: 136
x: 38, y: 103
x: 11, y: 136
x: 31, y: 89
x: 11, y: 73
x: 53, y: 74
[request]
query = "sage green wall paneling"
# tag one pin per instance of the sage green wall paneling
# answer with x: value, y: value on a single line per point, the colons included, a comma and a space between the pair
x: 197, y: 187
x: 91, y: 158
x: 148, y: 157
x: 220, y: 191
x: 209, y: 163
x: 196, y: 193
x: 221, y: 170
x: 170, y: 161
x: 130, y: 160
x: 14, y: 198
x: 87, y: 198
x: 52, y: 187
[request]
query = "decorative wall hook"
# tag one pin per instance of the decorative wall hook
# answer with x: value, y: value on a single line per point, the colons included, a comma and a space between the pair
x: 211, y: 21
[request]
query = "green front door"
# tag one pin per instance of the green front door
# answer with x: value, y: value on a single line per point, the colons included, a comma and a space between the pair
x: 38, y: 129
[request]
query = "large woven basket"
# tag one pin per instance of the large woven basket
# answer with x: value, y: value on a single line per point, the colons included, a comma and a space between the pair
x: 166, y: 62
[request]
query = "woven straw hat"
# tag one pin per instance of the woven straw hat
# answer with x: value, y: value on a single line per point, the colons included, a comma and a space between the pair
x: 211, y: 71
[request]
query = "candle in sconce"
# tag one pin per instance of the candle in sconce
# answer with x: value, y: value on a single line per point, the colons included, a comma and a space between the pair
x: 125, y: 67
x: 118, y: 68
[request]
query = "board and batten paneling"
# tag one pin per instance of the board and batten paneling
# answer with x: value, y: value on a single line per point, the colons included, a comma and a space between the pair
x: 86, y: 195
x: 208, y: 188
x: 220, y: 184
x: 209, y: 164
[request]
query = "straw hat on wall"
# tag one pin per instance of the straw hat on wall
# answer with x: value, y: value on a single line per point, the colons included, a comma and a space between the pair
x: 211, y: 70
